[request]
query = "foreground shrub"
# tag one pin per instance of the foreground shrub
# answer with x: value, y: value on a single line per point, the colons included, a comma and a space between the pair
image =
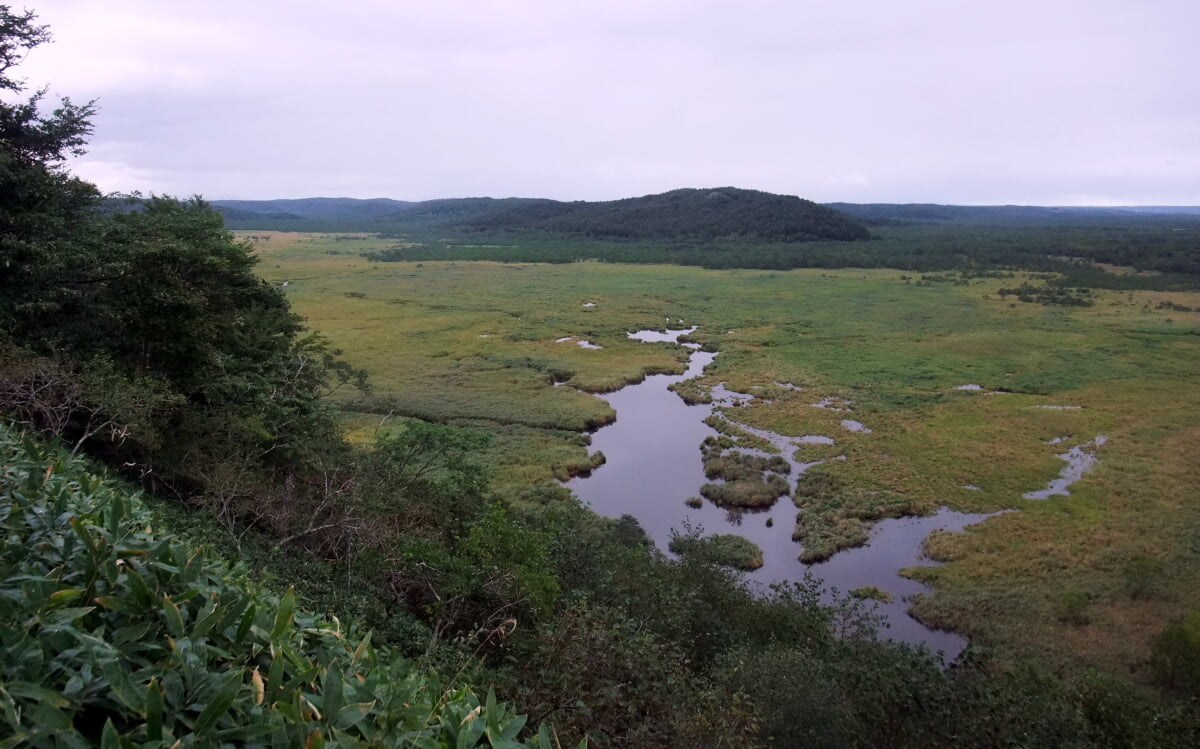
x: 113, y: 634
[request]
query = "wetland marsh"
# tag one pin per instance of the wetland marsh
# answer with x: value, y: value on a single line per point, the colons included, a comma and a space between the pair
x: 476, y: 343
x: 652, y: 465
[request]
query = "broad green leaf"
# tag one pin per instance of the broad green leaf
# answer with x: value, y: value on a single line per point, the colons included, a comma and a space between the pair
x: 153, y: 711
x: 246, y: 624
x: 191, y: 569
x: 274, y: 678
x: 231, y: 612
x: 135, y: 633
x: 510, y: 730
x: 220, y: 703
x: 469, y: 734
x: 206, y: 620
x: 490, y: 712
x: 361, y: 650
x: 303, y: 678
x: 141, y: 591
x: 352, y: 714
x: 116, y: 515
x: 120, y: 605
x: 36, y: 692
x: 14, y: 741
x: 333, y: 692
x: 109, y: 738
x: 174, y: 618
x: 284, y: 616
x: 59, y: 617
x: 122, y: 686
x: 47, y: 718
x: 84, y: 535
x: 64, y: 596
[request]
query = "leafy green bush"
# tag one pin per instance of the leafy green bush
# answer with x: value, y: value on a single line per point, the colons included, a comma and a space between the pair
x: 114, y: 634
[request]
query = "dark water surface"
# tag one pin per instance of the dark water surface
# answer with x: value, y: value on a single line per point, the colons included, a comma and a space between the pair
x: 654, y: 464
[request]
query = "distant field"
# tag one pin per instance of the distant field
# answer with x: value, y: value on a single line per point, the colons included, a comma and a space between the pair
x: 477, y: 342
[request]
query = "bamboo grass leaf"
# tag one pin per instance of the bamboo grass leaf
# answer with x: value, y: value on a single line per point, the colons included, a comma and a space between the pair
x: 284, y: 616
x: 153, y: 711
x: 227, y: 692
x: 173, y: 617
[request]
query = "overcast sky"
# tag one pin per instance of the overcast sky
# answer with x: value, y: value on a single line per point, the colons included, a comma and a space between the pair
x: 1051, y: 102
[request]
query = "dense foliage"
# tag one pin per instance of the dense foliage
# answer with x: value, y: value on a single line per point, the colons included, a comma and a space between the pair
x: 116, y: 634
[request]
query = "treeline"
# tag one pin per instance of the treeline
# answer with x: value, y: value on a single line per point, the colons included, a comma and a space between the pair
x: 1168, y: 258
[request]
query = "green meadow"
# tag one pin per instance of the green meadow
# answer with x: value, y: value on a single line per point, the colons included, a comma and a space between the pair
x: 1081, y: 580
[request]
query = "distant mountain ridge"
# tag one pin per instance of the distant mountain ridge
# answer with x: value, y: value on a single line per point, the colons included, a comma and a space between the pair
x: 308, y: 208
x: 687, y: 214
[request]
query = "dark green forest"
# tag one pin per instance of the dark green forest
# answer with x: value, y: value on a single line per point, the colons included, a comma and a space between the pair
x: 688, y: 215
x: 172, y: 465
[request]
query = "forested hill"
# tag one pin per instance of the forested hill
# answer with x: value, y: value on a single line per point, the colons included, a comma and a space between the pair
x: 704, y: 214
x: 686, y: 214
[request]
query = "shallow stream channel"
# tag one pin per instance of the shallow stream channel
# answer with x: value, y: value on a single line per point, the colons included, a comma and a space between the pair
x: 654, y: 464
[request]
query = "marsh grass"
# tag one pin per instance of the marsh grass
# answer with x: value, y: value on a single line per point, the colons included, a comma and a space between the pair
x: 727, y: 550
x: 870, y: 592
x: 732, y: 466
x: 895, y: 350
x: 737, y: 436
x: 752, y: 492
x: 834, y: 515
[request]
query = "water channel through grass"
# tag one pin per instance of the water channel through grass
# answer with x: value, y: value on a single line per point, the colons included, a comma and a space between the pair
x: 654, y: 464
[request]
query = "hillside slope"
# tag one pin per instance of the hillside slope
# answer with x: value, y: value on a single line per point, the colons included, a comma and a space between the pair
x: 685, y: 214
x: 698, y: 214
x: 117, y: 634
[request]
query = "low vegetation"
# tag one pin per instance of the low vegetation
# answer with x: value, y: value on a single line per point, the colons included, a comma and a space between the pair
x: 834, y: 516
x: 727, y: 550
x: 117, y: 634
x: 746, y: 493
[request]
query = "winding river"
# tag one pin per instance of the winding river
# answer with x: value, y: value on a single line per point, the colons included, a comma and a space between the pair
x: 654, y: 464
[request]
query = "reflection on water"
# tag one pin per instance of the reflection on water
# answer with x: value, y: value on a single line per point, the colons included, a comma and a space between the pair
x: 1079, y: 461
x: 654, y: 464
